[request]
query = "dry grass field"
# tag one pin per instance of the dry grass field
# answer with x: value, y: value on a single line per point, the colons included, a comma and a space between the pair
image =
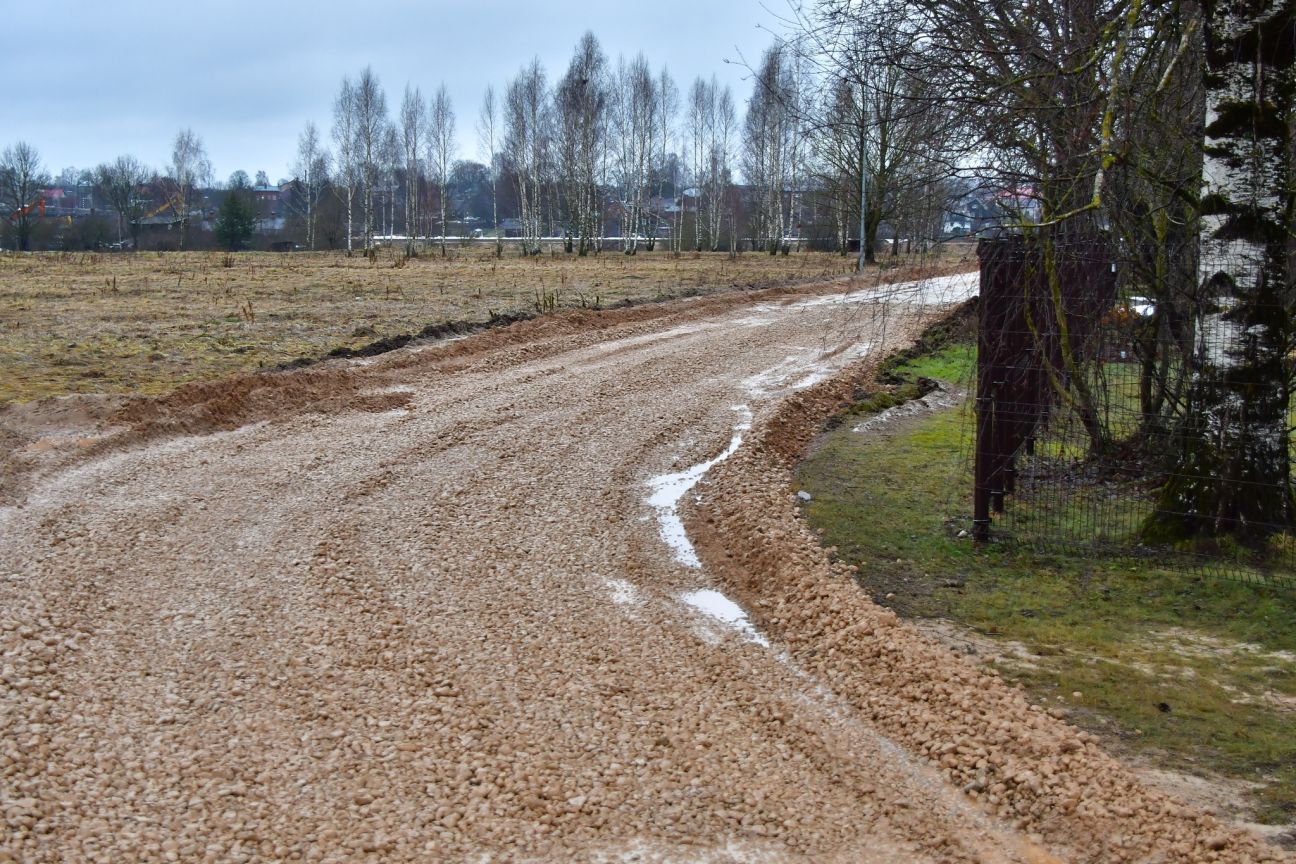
x: 145, y: 323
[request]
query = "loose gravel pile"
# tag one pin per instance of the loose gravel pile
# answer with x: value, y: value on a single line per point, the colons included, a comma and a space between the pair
x: 1018, y: 762
x: 417, y: 608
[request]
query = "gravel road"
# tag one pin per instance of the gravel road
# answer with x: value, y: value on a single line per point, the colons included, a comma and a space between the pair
x: 440, y: 605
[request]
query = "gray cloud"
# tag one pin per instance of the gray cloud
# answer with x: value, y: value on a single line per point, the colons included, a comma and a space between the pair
x: 89, y: 80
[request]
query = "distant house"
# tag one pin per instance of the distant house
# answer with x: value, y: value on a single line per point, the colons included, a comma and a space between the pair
x: 270, y: 206
x: 168, y: 221
x: 666, y: 206
x: 68, y: 200
x: 270, y: 224
x: 980, y: 210
x: 1021, y: 203
x: 268, y: 199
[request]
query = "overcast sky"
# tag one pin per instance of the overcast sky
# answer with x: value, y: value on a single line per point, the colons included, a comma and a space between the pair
x: 90, y: 80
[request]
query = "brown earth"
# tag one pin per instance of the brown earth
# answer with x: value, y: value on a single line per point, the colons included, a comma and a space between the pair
x: 418, y: 608
x: 143, y: 323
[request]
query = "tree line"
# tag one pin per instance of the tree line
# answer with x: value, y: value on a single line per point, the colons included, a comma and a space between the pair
x: 603, y: 148
x: 607, y: 149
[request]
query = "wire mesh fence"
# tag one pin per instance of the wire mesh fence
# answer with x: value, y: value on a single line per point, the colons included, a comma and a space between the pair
x: 1113, y: 419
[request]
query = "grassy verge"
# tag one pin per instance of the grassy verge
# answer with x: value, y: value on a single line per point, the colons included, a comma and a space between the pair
x: 1192, y: 674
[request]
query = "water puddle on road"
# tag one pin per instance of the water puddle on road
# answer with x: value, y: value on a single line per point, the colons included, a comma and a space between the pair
x: 623, y: 593
x: 668, y: 489
x: 938, y: 290
x: 715, y: 605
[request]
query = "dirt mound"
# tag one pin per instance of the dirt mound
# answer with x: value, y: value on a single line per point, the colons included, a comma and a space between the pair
x: 34, y: 433
x: 221, y: 405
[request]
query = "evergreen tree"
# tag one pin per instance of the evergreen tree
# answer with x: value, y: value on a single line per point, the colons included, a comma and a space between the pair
x: 236, y: 220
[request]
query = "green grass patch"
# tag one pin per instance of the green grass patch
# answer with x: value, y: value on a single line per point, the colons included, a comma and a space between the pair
x: 953, y: 364
x: 1196, y: 673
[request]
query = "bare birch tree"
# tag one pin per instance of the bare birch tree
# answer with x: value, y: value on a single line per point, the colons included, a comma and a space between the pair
x: 392, y: 160
x: 580, y: 106
x: 711, y: 121
x: 413, y: 122
x: 189, y: 170
x: 769, y: 130
x: 634, y: 120
x: 370, y: 113
x: 311, y: 171
x: 667, y: 107
x: 526, y: 145
x: 487, y: 136
x: 348, y: 167
x: 441, y: 139
x: 701, y: 111
x: 720, y: 157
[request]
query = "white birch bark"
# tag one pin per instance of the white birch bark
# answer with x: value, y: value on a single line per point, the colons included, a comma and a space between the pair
x: 413, y: 131
x: 344, y: 136
x: 442, y: 129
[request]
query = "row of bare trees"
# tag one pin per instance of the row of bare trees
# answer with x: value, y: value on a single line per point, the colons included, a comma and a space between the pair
x: 606, y: 139
x: 843, y: 127
x: 119, y: 183
x: 615, y: 145
x: 375, y: 157
x: 837, y: 129
x: 604, y: 142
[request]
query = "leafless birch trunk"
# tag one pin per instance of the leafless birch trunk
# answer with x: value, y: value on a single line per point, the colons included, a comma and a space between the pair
x: 370, y: 112
x: 344, y: 136
x: 413, y: 132
x: 442, y: 140
x: 311, y: 171
x: 487, y: 133
x: 526, y: 145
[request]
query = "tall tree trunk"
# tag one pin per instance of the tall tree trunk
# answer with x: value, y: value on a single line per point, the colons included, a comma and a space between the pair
x: 411, y: 216
x: 443, y: 215
x: 1232, y: 470
x: 350, y: 217
x: 368, y: 215
x: 499, y: 240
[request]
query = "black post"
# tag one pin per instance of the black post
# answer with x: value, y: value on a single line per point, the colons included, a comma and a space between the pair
x: 981, y: 480
x: 1000, y: 418
x: 984, y: 461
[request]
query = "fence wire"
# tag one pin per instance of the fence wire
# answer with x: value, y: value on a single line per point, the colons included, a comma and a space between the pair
x: 1121, y: 415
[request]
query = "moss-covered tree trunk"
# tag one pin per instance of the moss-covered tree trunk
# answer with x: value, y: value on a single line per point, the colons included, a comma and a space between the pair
x: 1232, y: 472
